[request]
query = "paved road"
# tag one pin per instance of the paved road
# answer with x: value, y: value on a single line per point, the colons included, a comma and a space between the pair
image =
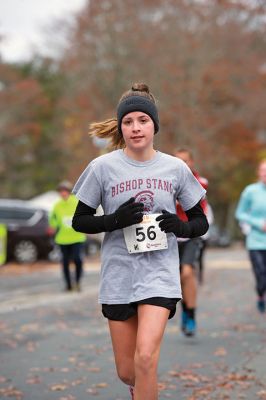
x: 55, y: 345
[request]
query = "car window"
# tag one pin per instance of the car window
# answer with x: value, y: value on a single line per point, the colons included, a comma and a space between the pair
x: 7, y: 214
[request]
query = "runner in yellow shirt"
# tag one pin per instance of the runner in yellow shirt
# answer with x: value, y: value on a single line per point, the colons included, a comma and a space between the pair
x: 70, y: 241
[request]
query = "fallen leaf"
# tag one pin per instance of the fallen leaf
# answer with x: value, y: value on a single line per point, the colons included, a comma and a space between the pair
x: 34, y: 380
x: 101, y: 385
x: 11, y: 392
x: 239, y: 377
x: 31, y: 346
x: 30, y: 327
x: 77, y: 382
x: 220, y: 352
x: 261, y: 394
x: 94, y: 369
x: 161, y: 386
x: 92, y: 391
x: 58, y: 387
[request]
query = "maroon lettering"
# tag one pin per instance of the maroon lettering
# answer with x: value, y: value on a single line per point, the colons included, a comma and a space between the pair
x: 154, y: 183
x: 121, y: 187
x: 134, y: 184
x: 128, y: 185
x: 166, y: 186
x: 171, y: 188
x: 149, y: 183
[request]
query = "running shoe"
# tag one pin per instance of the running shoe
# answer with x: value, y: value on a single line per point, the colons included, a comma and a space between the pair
x: 131, y: 391
x: 261, y: 305
x: 190, y: 328
x: 77, y: 287
x: 184, y: 318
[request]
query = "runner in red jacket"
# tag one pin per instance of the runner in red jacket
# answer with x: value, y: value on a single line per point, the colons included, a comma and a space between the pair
x: 189, y: 252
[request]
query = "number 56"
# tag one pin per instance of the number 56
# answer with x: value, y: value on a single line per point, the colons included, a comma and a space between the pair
x: 141, y: 234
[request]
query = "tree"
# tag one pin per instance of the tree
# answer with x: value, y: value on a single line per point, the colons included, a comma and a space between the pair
x: 205, y: 61
x: 190, y: 53
x: 31, y: 159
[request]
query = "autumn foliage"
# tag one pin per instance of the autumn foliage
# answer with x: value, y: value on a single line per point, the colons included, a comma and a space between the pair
x: 204, y: 61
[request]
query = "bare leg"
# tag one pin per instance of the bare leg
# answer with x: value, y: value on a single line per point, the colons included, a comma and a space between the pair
x: 123, y: 335
x: 189, y: 286
x: 151, y: 325
x: 201, y: 260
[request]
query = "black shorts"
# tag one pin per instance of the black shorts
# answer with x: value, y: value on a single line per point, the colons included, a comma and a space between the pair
x: 189, y: 252
x: 122, y: 312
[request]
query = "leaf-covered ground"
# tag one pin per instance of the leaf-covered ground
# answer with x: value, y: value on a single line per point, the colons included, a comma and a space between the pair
x: 55, y: 345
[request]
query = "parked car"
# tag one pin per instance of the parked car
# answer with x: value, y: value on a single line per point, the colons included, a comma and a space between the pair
x: 29, y: 237
x: 47, y: 201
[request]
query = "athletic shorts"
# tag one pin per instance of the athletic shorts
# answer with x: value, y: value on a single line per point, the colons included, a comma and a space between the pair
x: 122, y: 312
x: 189, y: 252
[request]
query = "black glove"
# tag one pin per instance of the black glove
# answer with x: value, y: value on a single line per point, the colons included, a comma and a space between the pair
x: 171, y: 223
x: 129, y: 213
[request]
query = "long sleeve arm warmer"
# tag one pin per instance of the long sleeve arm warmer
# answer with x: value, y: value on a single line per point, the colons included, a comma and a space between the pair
x: 128, y: 213
x: 86, y: 221
x: 197, y: 224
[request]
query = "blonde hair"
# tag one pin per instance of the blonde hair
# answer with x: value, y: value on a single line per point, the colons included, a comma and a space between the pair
x: 108, y: 129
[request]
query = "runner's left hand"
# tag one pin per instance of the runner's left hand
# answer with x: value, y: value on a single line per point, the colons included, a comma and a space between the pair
x: 171, y: 223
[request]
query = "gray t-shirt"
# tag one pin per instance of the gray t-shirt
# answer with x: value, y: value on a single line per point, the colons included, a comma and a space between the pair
x: 112, y: 179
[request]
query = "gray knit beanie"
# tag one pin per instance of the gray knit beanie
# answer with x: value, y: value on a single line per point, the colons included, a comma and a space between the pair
x: 137, y: 103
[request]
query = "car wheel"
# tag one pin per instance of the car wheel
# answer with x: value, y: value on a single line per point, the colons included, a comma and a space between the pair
x: 25, y: 251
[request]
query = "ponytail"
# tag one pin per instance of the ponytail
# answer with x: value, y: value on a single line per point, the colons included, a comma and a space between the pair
x: 108, y: 129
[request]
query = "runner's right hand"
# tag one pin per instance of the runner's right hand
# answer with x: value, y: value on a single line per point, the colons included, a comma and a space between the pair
x: 129, y: 213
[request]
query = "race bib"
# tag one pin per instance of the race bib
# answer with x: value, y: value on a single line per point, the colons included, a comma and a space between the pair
x: 145, y: 236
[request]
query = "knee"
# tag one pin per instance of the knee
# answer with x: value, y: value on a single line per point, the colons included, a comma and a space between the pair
x: 145, y: 361
x: 187, y: 272
x: 126, y: 375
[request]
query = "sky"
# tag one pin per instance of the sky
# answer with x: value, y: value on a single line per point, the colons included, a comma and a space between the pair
x: 23, y: 22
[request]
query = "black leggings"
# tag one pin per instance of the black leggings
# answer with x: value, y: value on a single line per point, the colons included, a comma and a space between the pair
x: 258, y: 261
x: 71, y: 252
